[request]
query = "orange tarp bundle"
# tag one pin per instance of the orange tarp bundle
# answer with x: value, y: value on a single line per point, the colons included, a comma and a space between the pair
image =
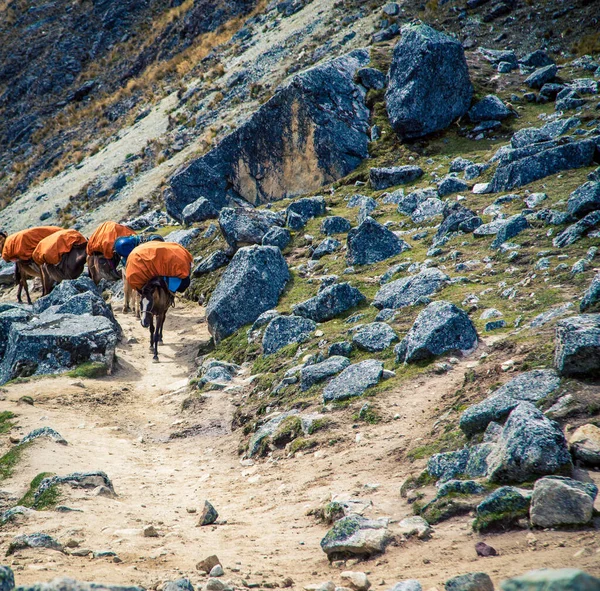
x: 52, y: 248
x: 20, y: 245
x: 157, y: 259
x: 103, y: 239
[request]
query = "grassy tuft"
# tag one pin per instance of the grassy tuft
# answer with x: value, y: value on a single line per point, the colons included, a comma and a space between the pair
x: 90, y: 369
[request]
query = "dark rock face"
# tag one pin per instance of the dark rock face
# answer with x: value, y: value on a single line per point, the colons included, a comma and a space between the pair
x: 529, y: 446
x: 383, y: 178
x: 584, y: 199
x: 312, y: 132
x: 408, y: 290
x: 7, y: 319
x: 525, y: 170
x: 441, y: 327
x: 429, y: 85
x: 56, y: 343
x: 318, y: 372
x: 578, y: 346
x: 372, y: 79
x: 285, y: 330
x: 330, y: 302
x: 251, y: 285
x: 242, y: 227
x: 353, y: 381
x: 559, y: 501
x: 575, y: 231
x: 371, y: 242
x: 374, y: 337
x: 335, y: 224
x: 211, y: 263
x: 489, y: 108
x: 198, y: 211
x: 532, y: 386
x: 276, y: 236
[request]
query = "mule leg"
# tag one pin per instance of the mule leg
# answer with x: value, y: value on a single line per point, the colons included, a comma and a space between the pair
x: 24, y: 284
x: 19, y: 290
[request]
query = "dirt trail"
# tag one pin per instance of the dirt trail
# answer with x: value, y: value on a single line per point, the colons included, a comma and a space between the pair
x: 121, y: 424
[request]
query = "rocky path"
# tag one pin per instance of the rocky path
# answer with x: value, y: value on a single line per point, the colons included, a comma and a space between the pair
x: 123, y: 425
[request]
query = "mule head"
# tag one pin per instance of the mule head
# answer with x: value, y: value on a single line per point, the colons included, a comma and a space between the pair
x: 2, y: 240
x: 146, y: 306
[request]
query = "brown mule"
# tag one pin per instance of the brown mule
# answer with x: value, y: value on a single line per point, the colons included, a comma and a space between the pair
x: 23, y: 270
x: 131, y: 296
x: 99, y: 267
x: 156, y: 299
x: 70, y: 267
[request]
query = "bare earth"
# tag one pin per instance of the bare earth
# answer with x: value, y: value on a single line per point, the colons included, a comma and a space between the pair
x: 121, y: 424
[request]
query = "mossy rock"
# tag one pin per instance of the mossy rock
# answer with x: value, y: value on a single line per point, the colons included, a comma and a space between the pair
x: 301, y: 445
x: 447, y: 507
x: 289, y: 430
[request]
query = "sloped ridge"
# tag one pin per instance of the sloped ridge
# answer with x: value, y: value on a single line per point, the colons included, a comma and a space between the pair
x: 312, y: 132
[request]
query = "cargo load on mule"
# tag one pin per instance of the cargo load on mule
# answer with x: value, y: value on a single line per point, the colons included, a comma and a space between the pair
x: 102, y: 258
x: 60, y: 256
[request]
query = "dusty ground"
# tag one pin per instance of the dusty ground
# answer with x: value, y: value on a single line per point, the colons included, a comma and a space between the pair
x: 121, y: 424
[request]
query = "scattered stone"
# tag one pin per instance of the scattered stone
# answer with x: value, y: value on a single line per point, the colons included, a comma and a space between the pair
x: 410, y: 290
x: 178, y: 585
x: 285, y: 330
x: 559, y: 501
x: 374, y: 337
x: 382, y: 178
x: 485, y: 550
x: 44, y: 432
x: 208, y: 564
x: 150, y: 532
x: 209, y: 514
x: 577, y: 230
x: 577, y: 351
x: 511, y: 228
x: 354, y: 536
x: 211, y: 263
x: 355, y: 580
x: 428, y: 209
x: 343, y: 348
x: 414, y: 526
x: 470, y: 582
x: 584, y: 199
x: 327, y: 246
x: 529, y: 446
x: 329, y: 302
x: 541, y: 76
x: 467, y: 462
x: 563, y: 579
x: 307, y: 208
x: 503, y: 508
x: 372, y: 78
x: 429, y: 85
x: 440, y: 328
x: 489, y: 108
x: 216, y: 571
x: 214, y: 584
x: 35, y: 540
x: 407, y: 585
x: 585, y: 444
x: 244, y: 226
x: 251, y: 285
x: 335, y: 224
x: 353, y: 381
x: 533, y: 386
x: 183, y: 237
x: 313, y: 374
x: 276, y: 236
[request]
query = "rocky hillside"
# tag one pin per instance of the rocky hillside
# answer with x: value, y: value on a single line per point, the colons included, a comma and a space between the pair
x: 393, y: 323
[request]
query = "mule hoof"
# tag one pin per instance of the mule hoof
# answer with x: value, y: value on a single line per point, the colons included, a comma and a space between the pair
x: 155, y: 359
x: 126, y: 310
x: 160, y: 342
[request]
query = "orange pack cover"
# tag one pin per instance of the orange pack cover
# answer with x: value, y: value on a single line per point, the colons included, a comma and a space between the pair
x: 157, y: 259
x: 20, y: 245
x: 51, y: 249
x: 103, y: 239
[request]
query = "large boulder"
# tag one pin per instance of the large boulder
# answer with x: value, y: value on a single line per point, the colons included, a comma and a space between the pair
x: 285, y: 330
x: 353, y: 381
x: 356, y: 536
x: 529, y: 446
x: 562, y: 501
x: 7, y: 579
x: 532, y: 386
x: 7, y: 273
x: 198, y: 211
x: 371, y: 242
x: 585, y: 444
x: 57, y: 343
x: 251, y: 285
x: 439, y: 328
x: 329, y: 302
x: 410, y: 290
x: 277, y: 236
x: 245, y: 226
x: 429, y: 85
x: 502, y: 508
x: 547, y: 579
x: 511, y: 228
x: 212, y: 262
x: 335, y: 224
x: 513, y: 174
x: 303, y: 210
x: 64, y: 291
x: 577, y: 350
x: 7, y: 319
x: 313, y: 131
x: 489, y: 108
x: 468, y: 462
x: 470, y: 582
x: 541, y: 76
x: 584, y: 199
x: 533, y: 135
